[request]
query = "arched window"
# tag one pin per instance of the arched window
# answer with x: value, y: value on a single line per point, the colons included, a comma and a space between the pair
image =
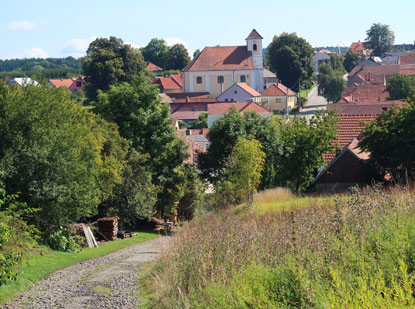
x: 255, y: 47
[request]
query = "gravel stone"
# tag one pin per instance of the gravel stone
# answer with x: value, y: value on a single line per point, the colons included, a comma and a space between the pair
x: 107, y: 282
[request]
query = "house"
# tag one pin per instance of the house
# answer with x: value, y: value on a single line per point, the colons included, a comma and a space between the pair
x: 392, y: 58
x: 378, y: 75
x: 348, y: 169
x: 362, y: 94
x: 218, y: 110
x: 170, y: 84
x: 197, y: 144
x: 360, y: 47
x: 217, y: 68
x: 189, y: 109
x: 73, y: 84
x: 153, y: 68
x: 23, y: 81
x: 278, y: 97
x: 78, y: 84
x: 269, y: 78
x: 319, y: 57
x: 239, y: 92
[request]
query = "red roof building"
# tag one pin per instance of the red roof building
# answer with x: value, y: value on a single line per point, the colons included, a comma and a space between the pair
x: 153, y: 68
x: 171, y: 84
x: 276, y: 99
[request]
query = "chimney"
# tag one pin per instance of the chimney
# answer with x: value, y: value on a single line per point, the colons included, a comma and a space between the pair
x: 369, y: 77
x: 187, y: 100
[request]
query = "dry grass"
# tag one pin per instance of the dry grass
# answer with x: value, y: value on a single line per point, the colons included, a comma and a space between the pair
x: 273, y: 195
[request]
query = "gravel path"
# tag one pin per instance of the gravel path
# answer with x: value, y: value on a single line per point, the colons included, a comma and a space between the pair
x: 105, y: 282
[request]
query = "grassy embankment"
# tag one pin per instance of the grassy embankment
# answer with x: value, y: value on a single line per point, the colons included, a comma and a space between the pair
x: 348, y: 252
x: 39, y: 266
x: 305, y: 92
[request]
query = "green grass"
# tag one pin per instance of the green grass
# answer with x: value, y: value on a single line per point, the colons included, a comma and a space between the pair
x: 39, y: 266
x: 304, y: 92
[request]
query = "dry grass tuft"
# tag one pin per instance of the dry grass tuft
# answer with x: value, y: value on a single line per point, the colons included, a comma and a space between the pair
x: 273, y: 195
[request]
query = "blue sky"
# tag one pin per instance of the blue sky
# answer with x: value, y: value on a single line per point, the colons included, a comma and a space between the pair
x: 61, y: 28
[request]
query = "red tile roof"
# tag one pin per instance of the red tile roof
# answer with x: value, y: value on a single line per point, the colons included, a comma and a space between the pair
x: 277, y: 90
x: 183, y: 95
x: 254, y: 35
x: 361, y: 94
x: 194, y: 150
x: 357, y: 46
x: 408, y: 69
x: 222, y: 58
x: 353, y: 147
x: 376, y: 108
x: 407, y: 60
x: 168, y: 82
x: 248, y: 89
x: 242, y: 107
x: 152, y: 67
x: 195, y: 100
x: 187, y: 111
x: 61, y: 82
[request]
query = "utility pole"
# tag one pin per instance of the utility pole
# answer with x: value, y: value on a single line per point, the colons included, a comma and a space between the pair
x: 286, y: 103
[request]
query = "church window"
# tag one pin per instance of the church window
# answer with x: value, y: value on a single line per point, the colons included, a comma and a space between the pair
x: 243, y: 78
x: 255, y: 48
x: 199, y: 80
x: 220, y: 79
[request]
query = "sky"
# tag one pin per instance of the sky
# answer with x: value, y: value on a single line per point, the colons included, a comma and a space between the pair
x: 61, y: 28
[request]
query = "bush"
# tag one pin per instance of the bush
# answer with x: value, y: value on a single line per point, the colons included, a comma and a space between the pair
x: 61, y: 239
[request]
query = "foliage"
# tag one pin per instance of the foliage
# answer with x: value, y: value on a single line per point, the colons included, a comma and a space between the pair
x: 390, y: 141
x: 291, y: 57
x: 134, y: 198
x: 33, y: 64
x: 16, y: 237
x: 109, y: 62
x: 380, y: 39
x: 177, y: 57
x: 223, y: 137
x: 245, y: 167
x: 401, y: 86
x: 156, y: 52
x: 201, y: 122
x: 61, y: 158
x: 196, y: 53
x: 330, y: 78
x: 357, y: 254
x: 351, y: 59
x: 193, y: 195
x: 305, y: 142
x: 61, y: 239
x: 145, y: 122
x: 46, y: 73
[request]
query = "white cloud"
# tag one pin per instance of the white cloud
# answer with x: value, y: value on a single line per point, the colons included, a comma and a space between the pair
x: 35, y: 52
x: 133, y: 45
x: 77, y: 46
x: 172, y: 41
x: 23, y: 25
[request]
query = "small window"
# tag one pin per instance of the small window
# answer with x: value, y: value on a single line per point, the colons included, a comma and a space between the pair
x: 226, y: 100
x: 199, y: 80
x: 236, y: 91
x: 255, y: 48
x: 78, y: 84
x: 220, y: 79
x: 194, y: 108
x: 278, y: 100
x: 243, y: 78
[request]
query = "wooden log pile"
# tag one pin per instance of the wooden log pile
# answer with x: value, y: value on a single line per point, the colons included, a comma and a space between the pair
x: 108, y: 227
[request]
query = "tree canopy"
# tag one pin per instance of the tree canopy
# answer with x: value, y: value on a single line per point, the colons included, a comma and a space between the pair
x: 401, y: 86
x: 110, y: 62
x: 351, y: 59
x: 330, y: 78
x: 380, y: 39
x: 291, y: 58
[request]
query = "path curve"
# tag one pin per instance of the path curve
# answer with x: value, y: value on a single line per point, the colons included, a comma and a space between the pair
x: 110, y: 281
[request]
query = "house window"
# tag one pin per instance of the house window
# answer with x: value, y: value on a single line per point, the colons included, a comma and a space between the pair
x: 220, y: 79
x: 78, y: 84
x: 255, y: 48
x: 199, y: 80
x: 236, y: 91
x: 243, y: 78
x: 278, y: 100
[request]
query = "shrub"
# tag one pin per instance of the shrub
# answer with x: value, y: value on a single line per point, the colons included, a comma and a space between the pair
x: 60, y: 238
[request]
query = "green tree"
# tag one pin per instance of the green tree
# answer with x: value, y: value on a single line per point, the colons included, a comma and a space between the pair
x: 401, y: 87
x: 245, y: 167
x: 351, y: 59
x: 391, y: 142
x: 380, y: 39
x: 177, y: 57
x: 196, y: 53
x: 330, y: 78
x: 60, y: 157
x: 109, y: 62
x: 305, y: 142
x: 145, y: 122
x: 201, y: 122
x: 156, y: 52
x: 291, y: 57
x: 223, y: 137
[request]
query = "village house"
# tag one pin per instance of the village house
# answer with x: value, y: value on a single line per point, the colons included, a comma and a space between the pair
x: 153, y: 68
x: 218, y: 110
x: 239, y: 92
x: 378, y: 74
x: 360, y: 47
x: 189, y: 109
x: 319, y: 57
x: 278, y: 97
x: 23, y: 81
x: 170, y: 84
x: 73, y: 84
x: 217, y: 68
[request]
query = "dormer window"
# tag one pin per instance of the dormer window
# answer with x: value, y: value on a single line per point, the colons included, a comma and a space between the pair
x: 255, y: 48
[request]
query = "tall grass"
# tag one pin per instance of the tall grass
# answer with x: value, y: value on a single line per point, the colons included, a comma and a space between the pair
x: 360, y: 253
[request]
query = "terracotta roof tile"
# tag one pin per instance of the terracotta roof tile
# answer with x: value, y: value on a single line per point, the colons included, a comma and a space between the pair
x: 167, y: 83
x: 152, y: 67
x: 243, y: 107
x: 183, y: 95
x: 277, y: 90
x: 187, y: 111
x: 248, y: 89
x: 61, y: 82
x: 365, y: 93
x: 222, y: 58
x: 357, y: 46
x: 254, y: 35
x: 407, y: 60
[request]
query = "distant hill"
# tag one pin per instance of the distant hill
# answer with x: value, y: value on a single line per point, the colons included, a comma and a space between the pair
x: 48, y: 67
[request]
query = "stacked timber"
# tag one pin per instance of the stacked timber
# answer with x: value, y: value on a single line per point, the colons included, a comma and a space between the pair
x: 108, y: 227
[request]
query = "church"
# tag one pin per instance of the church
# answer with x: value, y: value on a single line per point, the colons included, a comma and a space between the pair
x: 215, y: 69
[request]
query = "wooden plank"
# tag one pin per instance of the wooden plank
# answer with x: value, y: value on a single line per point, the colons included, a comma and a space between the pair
x: 90, y: 239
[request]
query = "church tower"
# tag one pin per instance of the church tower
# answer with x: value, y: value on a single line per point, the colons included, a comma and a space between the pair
x: 254, y: 45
